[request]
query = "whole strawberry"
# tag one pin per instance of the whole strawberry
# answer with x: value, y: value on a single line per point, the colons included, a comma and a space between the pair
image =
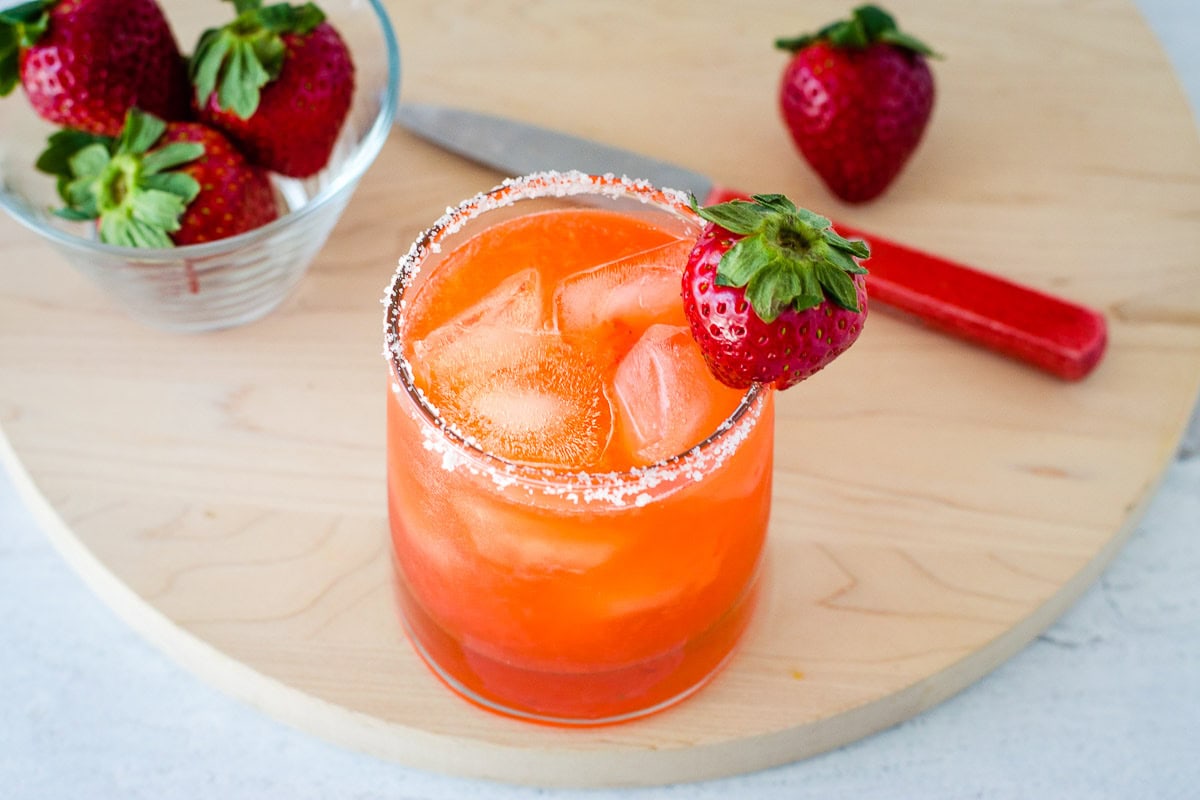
x: 278, y: 80
x: 158, y: 184
x: 85, y: 63
x: 771, y: 292
x: 856, y: 97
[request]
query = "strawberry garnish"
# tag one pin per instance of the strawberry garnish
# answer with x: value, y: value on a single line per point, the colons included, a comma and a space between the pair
x: 158, y: 184
x: 857, y: 96
x: 85, y: 63
x: 278, y: 80
x: 772, y: 292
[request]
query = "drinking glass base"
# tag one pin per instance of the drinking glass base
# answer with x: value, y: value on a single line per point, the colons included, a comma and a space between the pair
x: 577, y: 698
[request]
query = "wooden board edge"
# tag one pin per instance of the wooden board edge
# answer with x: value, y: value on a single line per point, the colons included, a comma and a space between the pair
x: 545, y: 767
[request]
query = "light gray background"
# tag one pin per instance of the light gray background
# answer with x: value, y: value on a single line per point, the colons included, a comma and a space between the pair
x: 1106, y: 704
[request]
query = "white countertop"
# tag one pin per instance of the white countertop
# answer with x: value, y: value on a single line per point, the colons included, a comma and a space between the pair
x: 1105, y: 704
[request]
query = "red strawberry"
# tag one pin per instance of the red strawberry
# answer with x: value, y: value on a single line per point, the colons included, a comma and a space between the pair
x: 85, y: 63
x: 278, y: 81
x: 159, y: 184
x: 235, y: 196
x: 772, y: 293
x: 857, y: 96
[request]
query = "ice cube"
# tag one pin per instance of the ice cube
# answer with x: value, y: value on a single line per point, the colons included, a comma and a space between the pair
x: 489, y: 329
x: 453, y: 354
x: 638, y: 290
x: 530, y: 545
x: 516, y: 302
x: 528, y: 397
x: 664, y: 398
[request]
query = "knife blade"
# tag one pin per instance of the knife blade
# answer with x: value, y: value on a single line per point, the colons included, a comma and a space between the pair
x: 1051, y: 333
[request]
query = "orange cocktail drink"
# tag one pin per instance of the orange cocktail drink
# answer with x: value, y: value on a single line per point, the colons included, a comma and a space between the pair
x: 577, y: 506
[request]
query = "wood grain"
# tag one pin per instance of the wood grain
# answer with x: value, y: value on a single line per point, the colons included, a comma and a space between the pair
x: 936, y: 506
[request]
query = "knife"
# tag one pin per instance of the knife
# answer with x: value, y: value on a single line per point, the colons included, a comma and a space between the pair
x: 1053, y: 334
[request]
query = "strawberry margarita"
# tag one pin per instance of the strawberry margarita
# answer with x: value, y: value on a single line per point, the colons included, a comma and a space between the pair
x: 577, y: 506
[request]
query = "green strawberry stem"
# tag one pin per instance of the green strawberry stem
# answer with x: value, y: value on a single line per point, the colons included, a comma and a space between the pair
x: 867, y: 25
x: 130, y: 188
x: 20, y: 27
x: 787, y: 256
x: 239, y: 59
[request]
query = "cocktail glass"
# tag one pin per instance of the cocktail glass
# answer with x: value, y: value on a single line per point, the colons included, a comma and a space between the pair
x: 557, y: 592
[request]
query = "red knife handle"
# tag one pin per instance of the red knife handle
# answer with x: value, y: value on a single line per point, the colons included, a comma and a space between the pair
x: 1053, y: 334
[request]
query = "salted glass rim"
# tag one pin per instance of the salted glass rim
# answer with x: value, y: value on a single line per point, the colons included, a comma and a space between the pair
x: 458, y: 449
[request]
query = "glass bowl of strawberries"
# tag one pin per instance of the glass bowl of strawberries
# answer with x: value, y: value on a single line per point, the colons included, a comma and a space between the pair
x: 191, y: 158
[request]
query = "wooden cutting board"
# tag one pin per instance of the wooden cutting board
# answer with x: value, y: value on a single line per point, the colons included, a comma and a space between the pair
x: 936, y: 506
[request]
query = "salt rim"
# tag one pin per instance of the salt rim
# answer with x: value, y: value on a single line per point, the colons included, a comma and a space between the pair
x: 461, y: 451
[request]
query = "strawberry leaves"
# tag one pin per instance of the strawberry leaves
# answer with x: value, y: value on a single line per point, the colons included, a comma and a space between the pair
x: 239, y: 59
x: 786, y: 257
x: 21, y: 26
x: 62, y: 144
x: 867, y: 24
x: 128, y: 186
